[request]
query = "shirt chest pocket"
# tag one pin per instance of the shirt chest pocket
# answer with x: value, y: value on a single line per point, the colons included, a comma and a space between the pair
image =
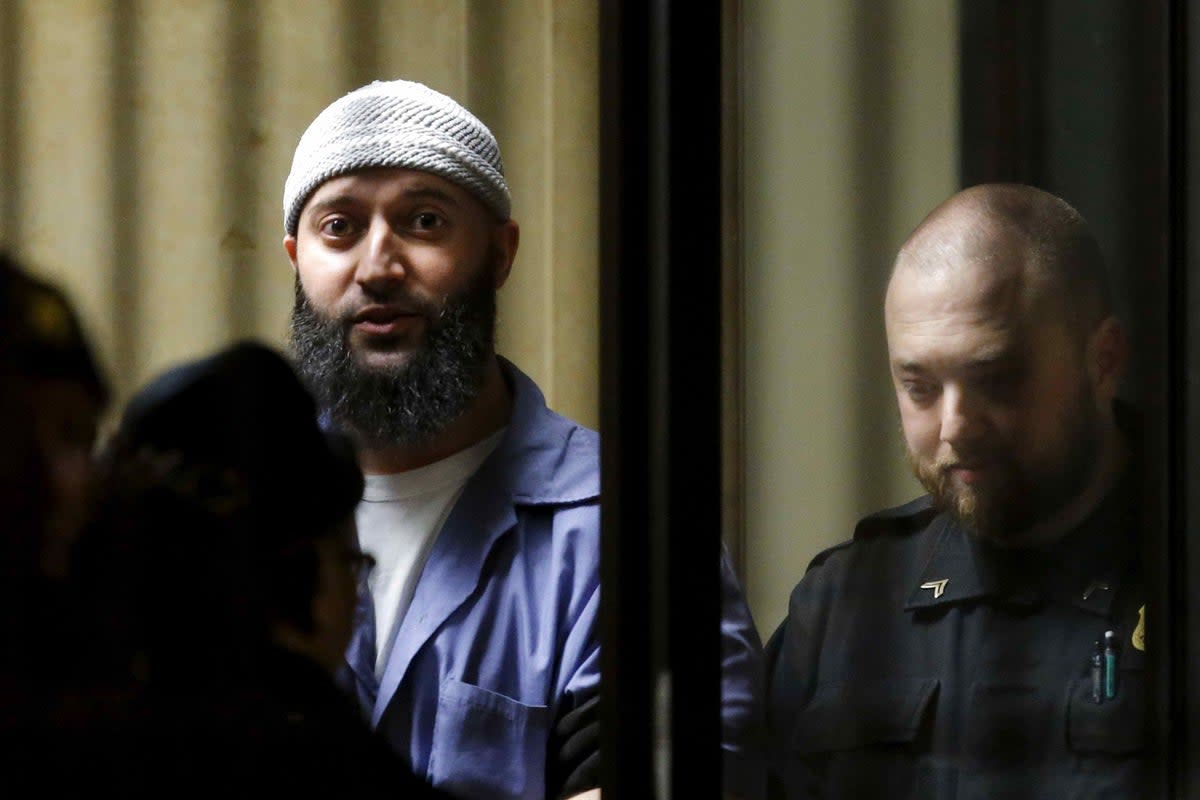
x: 858, y: 714
x: 487, y: 745
x: 1115, y: 727
x: 857, y: 739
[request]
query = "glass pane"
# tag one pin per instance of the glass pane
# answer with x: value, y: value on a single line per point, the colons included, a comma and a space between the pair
x: 858, y: 120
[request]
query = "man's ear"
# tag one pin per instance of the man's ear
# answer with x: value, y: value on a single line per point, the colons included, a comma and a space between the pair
x: 1108, y: 357
x: 289, y: 244
x: 508, y: 237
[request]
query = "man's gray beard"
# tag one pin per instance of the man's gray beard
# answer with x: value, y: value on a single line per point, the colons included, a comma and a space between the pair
x: 409, y: 403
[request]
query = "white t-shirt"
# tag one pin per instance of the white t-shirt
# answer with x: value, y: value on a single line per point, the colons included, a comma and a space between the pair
x: 398, y: 521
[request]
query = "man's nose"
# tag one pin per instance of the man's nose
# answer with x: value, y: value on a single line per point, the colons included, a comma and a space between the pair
x: 383, y: 259
x: 963, y: 417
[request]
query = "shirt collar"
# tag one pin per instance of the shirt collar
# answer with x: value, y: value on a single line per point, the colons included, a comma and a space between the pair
x: 1084, y: 568
x: 961, y: 568
x: 545, y: 458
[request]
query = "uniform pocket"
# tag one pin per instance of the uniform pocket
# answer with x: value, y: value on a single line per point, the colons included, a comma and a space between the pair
x: 854, y: 714
x: 1114, y: 727
x: 488, y: 745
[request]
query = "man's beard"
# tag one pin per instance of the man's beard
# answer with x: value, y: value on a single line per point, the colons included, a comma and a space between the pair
x: 407, y: 403
x: 1018, y: 497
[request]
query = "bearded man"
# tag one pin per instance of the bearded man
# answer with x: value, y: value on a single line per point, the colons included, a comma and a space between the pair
x: 987, y: 639
x: 477, y: 652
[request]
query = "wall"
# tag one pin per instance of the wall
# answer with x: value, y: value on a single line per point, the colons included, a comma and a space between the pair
x: 849, y: 116
x: 143, y: 148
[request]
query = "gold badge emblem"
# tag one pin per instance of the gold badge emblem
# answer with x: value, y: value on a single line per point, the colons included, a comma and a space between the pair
x: 1139, y: 633
x: 939, y: 587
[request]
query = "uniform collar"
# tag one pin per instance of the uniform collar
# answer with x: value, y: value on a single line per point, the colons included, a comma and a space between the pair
x: 1084, y: 568
x: 961, y: 568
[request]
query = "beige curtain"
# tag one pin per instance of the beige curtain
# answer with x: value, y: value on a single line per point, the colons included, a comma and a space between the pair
x: 849, y: 131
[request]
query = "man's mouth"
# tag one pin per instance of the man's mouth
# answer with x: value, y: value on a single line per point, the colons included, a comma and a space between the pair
x: 386, y: 320
x: 968, y: 472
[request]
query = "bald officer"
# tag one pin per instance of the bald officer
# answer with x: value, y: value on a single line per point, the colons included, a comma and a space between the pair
x: 987, y: 639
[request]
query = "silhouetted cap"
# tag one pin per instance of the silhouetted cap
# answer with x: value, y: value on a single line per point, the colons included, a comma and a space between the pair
x: 244, y: 412
x: 40, y: 334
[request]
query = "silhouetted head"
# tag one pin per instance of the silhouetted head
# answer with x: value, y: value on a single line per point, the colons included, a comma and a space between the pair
x: 55, y: 393
x: 225, y: 523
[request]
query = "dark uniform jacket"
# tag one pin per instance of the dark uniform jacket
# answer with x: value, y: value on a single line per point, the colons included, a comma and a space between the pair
x: 918, y: 661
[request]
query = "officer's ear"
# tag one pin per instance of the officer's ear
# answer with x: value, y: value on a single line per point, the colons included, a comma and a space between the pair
x: 1107, y: 357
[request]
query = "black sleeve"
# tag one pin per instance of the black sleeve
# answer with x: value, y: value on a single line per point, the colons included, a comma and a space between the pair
x: 573, y: 757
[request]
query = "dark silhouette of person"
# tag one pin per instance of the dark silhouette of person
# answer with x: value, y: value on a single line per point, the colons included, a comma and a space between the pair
x: 52, y: 393
x: 218, y: 578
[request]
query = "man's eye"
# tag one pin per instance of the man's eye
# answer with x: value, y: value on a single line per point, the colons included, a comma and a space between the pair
x: 427, y: 220
x: 337, y: 226
x: 919, y: 392
x: 1001, y: 384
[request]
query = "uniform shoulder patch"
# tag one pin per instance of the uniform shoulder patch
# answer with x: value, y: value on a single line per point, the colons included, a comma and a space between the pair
x: 823, y: 556
x: 908, y: 518
x: 911, y: 517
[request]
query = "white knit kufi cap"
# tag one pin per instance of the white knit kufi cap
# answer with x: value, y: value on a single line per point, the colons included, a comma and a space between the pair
x: 396, y: 124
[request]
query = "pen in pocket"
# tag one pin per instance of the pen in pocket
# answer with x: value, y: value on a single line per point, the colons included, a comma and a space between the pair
x: 1110, y: 665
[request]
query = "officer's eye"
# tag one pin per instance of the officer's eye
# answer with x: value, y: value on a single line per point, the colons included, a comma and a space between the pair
x: 919, y: 392
x: 1000, y: 384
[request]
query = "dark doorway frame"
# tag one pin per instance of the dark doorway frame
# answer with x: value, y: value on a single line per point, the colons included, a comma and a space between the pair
x: 661, y: 396
x: 660, y: 154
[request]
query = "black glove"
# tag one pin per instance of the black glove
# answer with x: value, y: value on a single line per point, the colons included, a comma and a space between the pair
x: 573, y: 760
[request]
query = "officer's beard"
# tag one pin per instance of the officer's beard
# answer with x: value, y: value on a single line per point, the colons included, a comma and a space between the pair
x: 408, y: 403
x: 1019, y: 496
